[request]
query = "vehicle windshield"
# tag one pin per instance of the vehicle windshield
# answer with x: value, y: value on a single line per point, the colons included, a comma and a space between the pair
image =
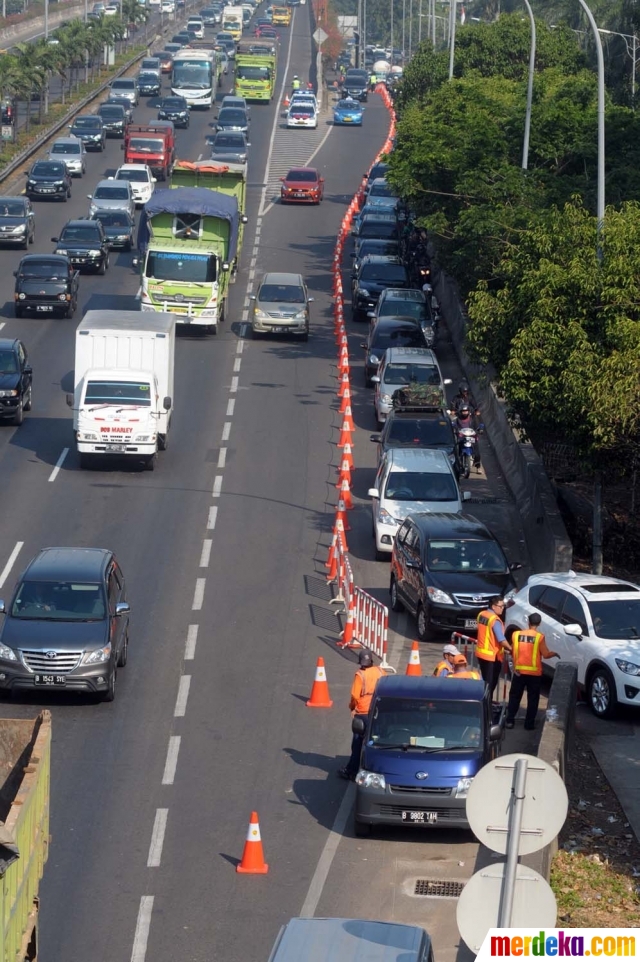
x: 58, y: 601
x: 11, y: 208
x: 111, y: 193
x: 390, y: 273
x: 420, y: 486
x: 284, y: 293
x: 302, y: 109
x: 423, y: 432
x: 86, y: 123
x: 381, y: 190
x: 113, y: 218
x: 178, y: 266
x: 419, y: 723
x: 118, y: 393
x: 112, y: 111
x: 411, y: 374
x: 129, y: 85
x: 174, y: 103
x: 137, y: 176
x: 379, y: 228
x: 192, y: 74
x: 236, y: 141
x: 383, y: 247
x: 44, y: 169
x: 302, y: 176
x: 615, y: 619
x: 253, y: 73
x: 52, y: 270
x: 148, y: 78
x: 348, y: 105
x: 462, y: 555
x: 79, y: 233
x: 396, y: 337
x: 8, y: 363
x: 151, y: 64
x: 65, y: 149
x: 232, y: 115
x: 144, y: 145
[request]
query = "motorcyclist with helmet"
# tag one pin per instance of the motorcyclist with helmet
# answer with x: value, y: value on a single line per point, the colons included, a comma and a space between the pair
x: 467, y: 418
x: 464, y: 397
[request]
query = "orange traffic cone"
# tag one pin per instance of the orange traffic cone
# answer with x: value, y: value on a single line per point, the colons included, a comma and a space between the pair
x: 346, y: 636
x: 286, y: 102
x: 344, y: 472
x: 338, y: 530
x: 414, y: 667
x: 347, y: 455
x: 252, y: 862
x: 344, y: 383
x: 345, y: 403
x: 345, y: 494
x: 320, y: 691
x: 348, y: 419
x: 345, y: 435
x: 341, y: 515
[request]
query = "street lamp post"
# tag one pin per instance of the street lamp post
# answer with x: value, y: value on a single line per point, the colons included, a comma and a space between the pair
x: 600, y: 56
x: 46, y: 19
x: 532, y: 67
x: 419, y: 22
x: 632, y: 53
x: 404, y: 21
x: 452, y: 35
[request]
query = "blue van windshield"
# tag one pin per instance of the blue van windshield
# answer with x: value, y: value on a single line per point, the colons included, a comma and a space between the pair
x: 427, y: 725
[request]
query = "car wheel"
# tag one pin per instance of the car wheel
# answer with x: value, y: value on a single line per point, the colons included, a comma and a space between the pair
x: 124, y: 651
x: 362, y: 829
x: 18, y: 311
x: 69, y: 194
x: 103, y: 266
x: 422, y: 623
x: 110, y: 693
x: 25, y: 243
x: 601, y: 692
x: 86, y: 461
x: 18, y: 417
x: 70, y: 311
x: 26, y: 405
x: 32, y: 239
x: 150, y: 463
x: 396, y: 604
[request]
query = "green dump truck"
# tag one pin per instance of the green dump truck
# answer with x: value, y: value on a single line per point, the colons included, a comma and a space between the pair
x: 25, y: 765
x: 255, y: 72
x: 230, y: 179
x: 188, y: 247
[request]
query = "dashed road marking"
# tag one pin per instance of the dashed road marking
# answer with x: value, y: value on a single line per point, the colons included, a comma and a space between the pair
x: 59, y: 463
x: 226, y: 431
x: 205, y: 555
x: 222, y: 457
x: 198, y: 594
x: 157, y: 838
x: 234, y: 385
x: 213, y: 517
x: 217, y: 486
x: 183, y: 694
x: 237, y: 361
x: 239, y: 345
x: 231, y: 407
x: 190, y: 644
x: 6, y: 571
x: 143, y: 924
x: 171, y: 761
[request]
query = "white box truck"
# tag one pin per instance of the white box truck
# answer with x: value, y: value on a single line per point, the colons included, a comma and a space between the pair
x: 123, y: 385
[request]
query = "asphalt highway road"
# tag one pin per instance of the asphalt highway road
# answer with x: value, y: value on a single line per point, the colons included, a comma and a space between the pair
x: 151, y: 795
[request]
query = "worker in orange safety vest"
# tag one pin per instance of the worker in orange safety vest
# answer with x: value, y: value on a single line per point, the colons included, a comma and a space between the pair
x: 362, y: 689
x: 445, y: 667
x: 529, y: 648
x: 491, y: 642
x: 461, y: 669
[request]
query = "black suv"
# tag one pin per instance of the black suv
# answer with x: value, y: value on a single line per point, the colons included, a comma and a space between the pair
x: 17, y: 221
x: 175, y: 109
x: 444, y: 570
x: 90, y: 129
x: 375, y: 274
x: 67, y: 625
x: 45, y: 284
x: 85, y: 243
x: 418, y: 426
x: 15, y: 380
x: 148, y: 83
x: 50, y: 179
x: 114, y: 119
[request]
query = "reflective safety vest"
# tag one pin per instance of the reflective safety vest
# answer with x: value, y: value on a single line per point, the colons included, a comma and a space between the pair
x: 527, y: 658
x: 486, y: 647
x: 295, y: 85
x: 368, y: 681
x: 467, y: 673
x: 442, y: 669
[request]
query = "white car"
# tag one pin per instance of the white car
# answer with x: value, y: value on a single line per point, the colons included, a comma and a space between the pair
x: 302, y: 97
x: 302, y: 115
x: 168, y: 6
x: 111, y: 10
x: 72, y: 153
x: 401, y: 367
x: 408, y: 480
x: 592, y: 621
x: 196, y: 26
x: 141, y: 180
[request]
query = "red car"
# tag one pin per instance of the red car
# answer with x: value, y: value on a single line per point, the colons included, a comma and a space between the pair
x: 264, y: 31
x: 302, y: 185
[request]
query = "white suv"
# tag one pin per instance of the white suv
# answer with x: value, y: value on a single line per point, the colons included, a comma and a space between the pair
x: 403, y: 367
x: 592, y: 621
x: 410, y: 480
x: 141, y: 180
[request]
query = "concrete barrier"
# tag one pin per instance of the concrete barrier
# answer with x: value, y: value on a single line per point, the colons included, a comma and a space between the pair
x: 27, y: 29
x: 547, y: 540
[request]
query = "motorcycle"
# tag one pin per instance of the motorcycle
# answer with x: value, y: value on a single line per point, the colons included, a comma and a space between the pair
x: 468, y: 439
x: 429, y: 334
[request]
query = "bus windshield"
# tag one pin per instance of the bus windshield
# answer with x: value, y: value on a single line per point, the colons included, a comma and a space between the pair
x: 194, y: 74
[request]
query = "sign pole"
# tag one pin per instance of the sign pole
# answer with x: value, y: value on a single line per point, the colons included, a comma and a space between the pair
x: 513, y: 843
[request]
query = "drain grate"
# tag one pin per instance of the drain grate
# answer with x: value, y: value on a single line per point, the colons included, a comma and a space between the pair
x: 437, y: 889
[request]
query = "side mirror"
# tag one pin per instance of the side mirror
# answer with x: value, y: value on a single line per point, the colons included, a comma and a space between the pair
x: 373, y: 493
x: 15, y: 273
x: 352, y: 254
x: 90, y: 196
x: 154, y: 180
x: 358, y: 726
x: 166, y: 404
x: 69, y: 400
x: 375, y: 379
x: 574, y: 630
x: 2, y: 608
x: 377, y: 438
x: 515, y: 566
x: 363, y: 344
x: 310, y: 300
x: 495, y: 733
x: 466, y: 495
x: 244, y: 219
x: 122, y: 608
x: 225, y: 266
x: 252, y: 297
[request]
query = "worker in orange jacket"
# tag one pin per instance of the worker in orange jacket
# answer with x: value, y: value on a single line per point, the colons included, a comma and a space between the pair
x: 445, y: 667
x: 529, y: 648
x: 492, y: 642
x: 362, y: 689
x: 461, y: 669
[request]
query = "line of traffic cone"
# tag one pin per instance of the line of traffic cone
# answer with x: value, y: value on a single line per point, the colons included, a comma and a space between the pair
x: 341, y: 515
x: 252, y: 861
x: 345, y: 494
x: 414, y: 667
x: 320, y: 691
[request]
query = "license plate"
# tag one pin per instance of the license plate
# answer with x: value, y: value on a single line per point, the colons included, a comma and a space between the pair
x: 470, y: 623
x: 115, y: 447
x: 44, y: 307
x: 50, y: 680
x: 347, y: 120
x: 299, y: 194
x: 46, y: 190
x: 423, y: 818
x: 279, y: 330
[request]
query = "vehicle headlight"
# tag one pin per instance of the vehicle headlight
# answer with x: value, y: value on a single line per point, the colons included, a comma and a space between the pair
x: 300, y: 316
x: 462, y: 788
x: 363, y: 292
x: 62, y: 297
x: 628, y: 667
x: 373, y: 359
x: 94, y: 253
x: 21, y: 296
x: 385, y: 518
x: 97, y: 656
x: 260, y: 315
x: 509, y: 596
x: 385, y: 398
x: 7, y: 654
x: 20, y: 229
x: 8, y: 393
x: 61, y: 250
x: 370, y: 780
x: 440, y: 597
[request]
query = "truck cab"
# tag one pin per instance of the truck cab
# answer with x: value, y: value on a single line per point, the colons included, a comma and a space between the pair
x: 424, y: 740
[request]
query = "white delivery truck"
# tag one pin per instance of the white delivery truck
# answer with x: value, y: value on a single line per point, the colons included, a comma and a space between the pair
x: 123, y: 385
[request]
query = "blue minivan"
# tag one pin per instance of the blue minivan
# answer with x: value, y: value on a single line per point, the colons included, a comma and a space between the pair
x: 423, y: 742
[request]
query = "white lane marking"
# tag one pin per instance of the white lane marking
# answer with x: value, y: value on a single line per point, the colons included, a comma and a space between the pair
x: 217, y: 486
x: 231, y: 407
x: 190, y: 644
x: 6, y: 571
x: 319, y: 147
x: 213, y: 517
x: 234, y: 385
x: 183, y: 693
x: 328, y: 854
x: 59, y: 463
x: 205, y: 556
x: 276, y: 120
x: 237, y: 361
x: 171, y: 762
x: 143, y: 924
x: 2, y: 325
x: 198, y: 594
x: 222, y: 457
x: 157, y: 838
x: 199, y: 156
x: 239, y: 346
x: 226, y: 431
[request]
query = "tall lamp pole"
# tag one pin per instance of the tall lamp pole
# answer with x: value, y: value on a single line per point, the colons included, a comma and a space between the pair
x: 46, y: 19
x: 452, y: 35
x: 433, y: 22
x: 532, y: 67
x: 633, y: 53
x: 600, y: 55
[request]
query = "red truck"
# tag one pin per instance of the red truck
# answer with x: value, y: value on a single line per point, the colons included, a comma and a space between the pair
x: 152, y: 144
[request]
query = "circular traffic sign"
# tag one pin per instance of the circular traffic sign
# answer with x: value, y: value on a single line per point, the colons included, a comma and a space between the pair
x: 490, y: 799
